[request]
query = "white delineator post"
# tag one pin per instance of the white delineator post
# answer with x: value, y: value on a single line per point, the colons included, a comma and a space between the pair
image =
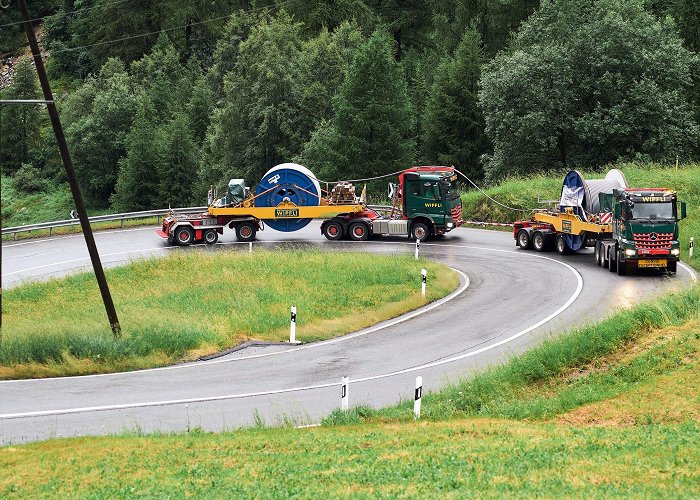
x: 424, y: 277
x: 344, y: 394
x: 417, y: 247
x: 690, y: 247
x: 417, y: 397
x: 250, y: 247
x: 293, y: 327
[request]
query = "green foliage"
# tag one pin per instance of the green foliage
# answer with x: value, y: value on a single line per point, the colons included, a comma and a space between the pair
x: 177, y: 163
x: 370, y: 131
x: 29, y: 179
x: 454, y: 125
x: 20, y: 124
x: 611, y: 86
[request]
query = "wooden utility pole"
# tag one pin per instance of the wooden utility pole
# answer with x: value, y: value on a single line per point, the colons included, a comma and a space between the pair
x: 70, y: 172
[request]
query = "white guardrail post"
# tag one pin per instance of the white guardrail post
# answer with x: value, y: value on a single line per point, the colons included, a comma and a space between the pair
x: 690, y: 247
x: 424, y: 279
x: 344, y: 403
x: 417, y: 397
x: 417, y: 247
x: 293, y: 327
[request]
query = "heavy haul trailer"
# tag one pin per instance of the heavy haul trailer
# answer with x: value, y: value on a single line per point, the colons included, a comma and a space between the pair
x: 425, y: 204
x: 289, y: 197
x: 629, y: 228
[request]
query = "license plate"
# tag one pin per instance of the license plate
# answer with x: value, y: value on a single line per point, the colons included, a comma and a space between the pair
x: 651, y: 263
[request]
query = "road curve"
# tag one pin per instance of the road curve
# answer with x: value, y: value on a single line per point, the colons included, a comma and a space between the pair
x: 513, y: 300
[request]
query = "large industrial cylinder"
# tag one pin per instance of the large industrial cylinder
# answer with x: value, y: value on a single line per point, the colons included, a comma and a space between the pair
x: 582, y: 196
x: 288, y: 182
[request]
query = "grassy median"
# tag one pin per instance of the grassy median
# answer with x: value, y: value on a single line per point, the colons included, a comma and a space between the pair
x: 196, y: 303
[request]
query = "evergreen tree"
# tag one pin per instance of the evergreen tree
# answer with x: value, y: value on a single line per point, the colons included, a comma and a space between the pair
x: 138, y: 182
x: 371, y: 128
x: 177, y: 163
x: 19, y: 136
x: 454, y: 125
x: 200, y: 108
x: 97, y: 136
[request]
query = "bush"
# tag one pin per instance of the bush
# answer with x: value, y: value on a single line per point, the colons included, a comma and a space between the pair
x: 29, y: 179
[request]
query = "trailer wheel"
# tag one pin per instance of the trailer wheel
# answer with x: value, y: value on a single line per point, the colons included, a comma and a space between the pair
x: 184, y: 235
x: 211, y: 236
x: 539, y: 242
x: 420, y: 231
x: 612, y: 259
x: 562, y: 247
x: 333, y: 231
x: 523, y: 239
x: 359, y: 231
x: 245, y: 231
x: 598, y: 260
x: 621, y: 266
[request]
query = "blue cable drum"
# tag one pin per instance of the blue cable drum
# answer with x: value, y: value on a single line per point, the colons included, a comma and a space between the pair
x: 582, y: 197
x: 290, y: 182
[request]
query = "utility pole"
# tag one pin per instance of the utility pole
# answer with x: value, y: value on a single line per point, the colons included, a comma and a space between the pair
x: 70, y: 172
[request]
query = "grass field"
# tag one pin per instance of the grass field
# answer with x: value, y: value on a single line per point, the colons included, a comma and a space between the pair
x: 195, y: 303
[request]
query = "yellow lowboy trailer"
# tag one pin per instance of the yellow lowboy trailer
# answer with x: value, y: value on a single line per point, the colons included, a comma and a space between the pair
x: 570, y: 223
x: 286, y: 210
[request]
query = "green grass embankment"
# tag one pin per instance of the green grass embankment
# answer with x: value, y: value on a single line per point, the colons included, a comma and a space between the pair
x: 196, y: 303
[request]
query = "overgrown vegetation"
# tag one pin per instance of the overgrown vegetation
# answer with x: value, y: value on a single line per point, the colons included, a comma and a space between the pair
x: 188, y: 305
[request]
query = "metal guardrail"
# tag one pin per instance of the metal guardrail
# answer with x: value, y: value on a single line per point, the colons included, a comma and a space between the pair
x: 120, y: 218
x: 98, y: 218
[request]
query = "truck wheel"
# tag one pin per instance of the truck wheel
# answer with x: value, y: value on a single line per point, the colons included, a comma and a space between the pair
x: 184, y: 235
x: 420, y: 231
x: 671, y: 267
x: 562, y: 247
x: 539, y: 242
x: 359, y: 231
x: 333, y: 231
x: 211, y: 236
x: 245, y: 231
x: 524, y: 239
x: 604, y: 257
x: 612, y: 259
x: 598, y: 260
x: 621, y: 266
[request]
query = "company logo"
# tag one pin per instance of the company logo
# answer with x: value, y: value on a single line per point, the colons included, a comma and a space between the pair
x: 274, y: 179
x: 566, y: 226
x: 433, y: 205
x: 653, y: 236
x: 286, y: 212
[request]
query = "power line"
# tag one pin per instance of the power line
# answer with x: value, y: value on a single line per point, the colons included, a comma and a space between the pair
x: 70, y: 12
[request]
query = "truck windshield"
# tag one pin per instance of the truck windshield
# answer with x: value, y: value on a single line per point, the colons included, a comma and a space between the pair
x: 653, y: 211
x: 450, y: 189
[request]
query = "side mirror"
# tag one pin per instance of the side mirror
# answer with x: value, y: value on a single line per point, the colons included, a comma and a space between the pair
x: 618, y: 211
x: 683, y: 210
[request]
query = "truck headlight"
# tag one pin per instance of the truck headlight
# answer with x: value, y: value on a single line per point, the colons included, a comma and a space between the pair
x: 630, y: 252
x: 675, y: 251
x: 450, y: 225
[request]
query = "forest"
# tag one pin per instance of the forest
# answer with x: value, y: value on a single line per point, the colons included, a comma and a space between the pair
x: 161, y: 99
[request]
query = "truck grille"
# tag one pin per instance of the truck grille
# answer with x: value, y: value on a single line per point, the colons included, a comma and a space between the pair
x: 653, y: 240
x: 457, y: 213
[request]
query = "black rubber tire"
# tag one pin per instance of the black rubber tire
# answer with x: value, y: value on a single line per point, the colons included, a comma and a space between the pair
x: 184, y: 235
x: 358, y: 231
x: 420, y: 231
x: 621, y: 266
x: 612, y: 259
x: 598, y: 260
x: 539, y: 241
x: 333, y: 231
x: 671, y: 267
x: 523, y: 239
x: 211, y: 236
x: 245, y: 231
x: 562, y: 247
x: 604, y: 261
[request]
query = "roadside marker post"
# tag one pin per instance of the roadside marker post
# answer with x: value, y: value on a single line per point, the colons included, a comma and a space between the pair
x: 424, y: 278
x: 250, y: 247
x: 344, y: 394
x: 417, y: 397
x: 417, y: 247
x: 690, y: 247
x: 293, y: 327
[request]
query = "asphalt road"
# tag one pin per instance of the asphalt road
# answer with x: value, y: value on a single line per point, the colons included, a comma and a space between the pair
x: 509, y: 301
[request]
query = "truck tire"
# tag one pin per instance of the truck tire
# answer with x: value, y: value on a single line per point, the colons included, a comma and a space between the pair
x: 245, y: 231
x: 420, y: 231
x: 523, y: 239
x: 598, y: 260
x: 562, y: 247
x: 539, y: 241
x: 211, y: 236
x: 184, y: 235
x: 621, y: 266
x: 358, y: 231
x: 612, y: 259
x: 671, y: 267
x: 333, y: 231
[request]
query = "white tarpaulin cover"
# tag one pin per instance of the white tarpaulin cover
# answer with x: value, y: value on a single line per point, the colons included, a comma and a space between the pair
x: 571, y: 196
